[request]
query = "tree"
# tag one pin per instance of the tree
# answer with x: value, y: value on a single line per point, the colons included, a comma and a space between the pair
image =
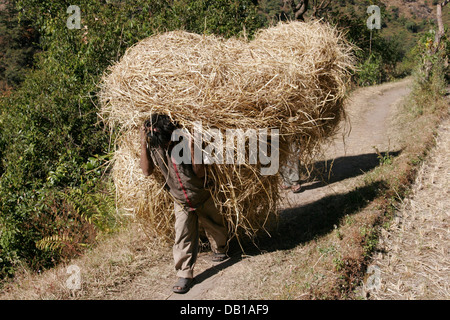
x: 318, y: 7
x: 434, y: 47
x: 441, y: 31
x: 299, y: 8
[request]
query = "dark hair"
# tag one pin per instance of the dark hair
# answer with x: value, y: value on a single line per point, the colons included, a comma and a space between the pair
x: 160, y: 129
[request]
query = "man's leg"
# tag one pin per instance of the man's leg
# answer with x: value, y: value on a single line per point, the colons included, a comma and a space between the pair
x: 185, y: 248
x: 285, y: 172
x: 291, y: 176
x: 215, y: 227
x: 290, y: 173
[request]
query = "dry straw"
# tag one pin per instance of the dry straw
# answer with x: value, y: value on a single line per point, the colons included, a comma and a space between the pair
x: 292, y: 77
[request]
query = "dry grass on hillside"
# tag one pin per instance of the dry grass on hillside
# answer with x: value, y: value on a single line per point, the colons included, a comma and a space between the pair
x: 414, y: 253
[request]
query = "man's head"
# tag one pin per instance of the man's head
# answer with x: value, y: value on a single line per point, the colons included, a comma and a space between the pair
x: 159, y: 130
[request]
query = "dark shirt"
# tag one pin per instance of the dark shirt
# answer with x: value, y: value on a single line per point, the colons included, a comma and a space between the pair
x: 183, y: 184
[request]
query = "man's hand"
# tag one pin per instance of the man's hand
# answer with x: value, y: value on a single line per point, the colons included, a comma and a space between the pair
x: 146, y: 162
x: 143, y: 135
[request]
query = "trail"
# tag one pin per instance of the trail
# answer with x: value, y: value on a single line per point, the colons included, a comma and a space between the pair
x: 130, y: 267
x: 370, y: 112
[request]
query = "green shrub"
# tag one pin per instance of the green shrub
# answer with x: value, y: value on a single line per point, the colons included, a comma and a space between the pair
x: 412, y: 26
x: 369, y: 72
x: 18, y: 46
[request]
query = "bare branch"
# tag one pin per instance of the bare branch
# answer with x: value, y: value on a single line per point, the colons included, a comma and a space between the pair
x: 299, y: 9
x: 319, y: 6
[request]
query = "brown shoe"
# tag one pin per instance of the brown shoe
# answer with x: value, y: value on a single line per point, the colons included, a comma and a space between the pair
x: 296, y: 188
x: 219, y: 257
x: 183, y: 285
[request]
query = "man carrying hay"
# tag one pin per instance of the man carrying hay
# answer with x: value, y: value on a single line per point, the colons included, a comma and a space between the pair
x: 192, y: 201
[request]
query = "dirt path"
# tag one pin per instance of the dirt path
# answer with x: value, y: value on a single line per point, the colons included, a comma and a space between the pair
x: 370, y: 112
x: 131, y: 267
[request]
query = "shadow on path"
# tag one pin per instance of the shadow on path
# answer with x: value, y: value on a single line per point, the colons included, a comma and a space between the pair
x: 210, y: 272
x: 341, y: 168
x: 304, y: 223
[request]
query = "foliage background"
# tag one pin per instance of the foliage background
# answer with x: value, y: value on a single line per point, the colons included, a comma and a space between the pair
x: 55, y: 197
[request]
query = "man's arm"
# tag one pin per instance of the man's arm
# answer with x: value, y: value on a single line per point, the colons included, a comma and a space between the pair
x: 146, y: 162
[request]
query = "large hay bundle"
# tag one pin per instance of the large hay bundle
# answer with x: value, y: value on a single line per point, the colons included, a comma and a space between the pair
x: 291, y: 77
